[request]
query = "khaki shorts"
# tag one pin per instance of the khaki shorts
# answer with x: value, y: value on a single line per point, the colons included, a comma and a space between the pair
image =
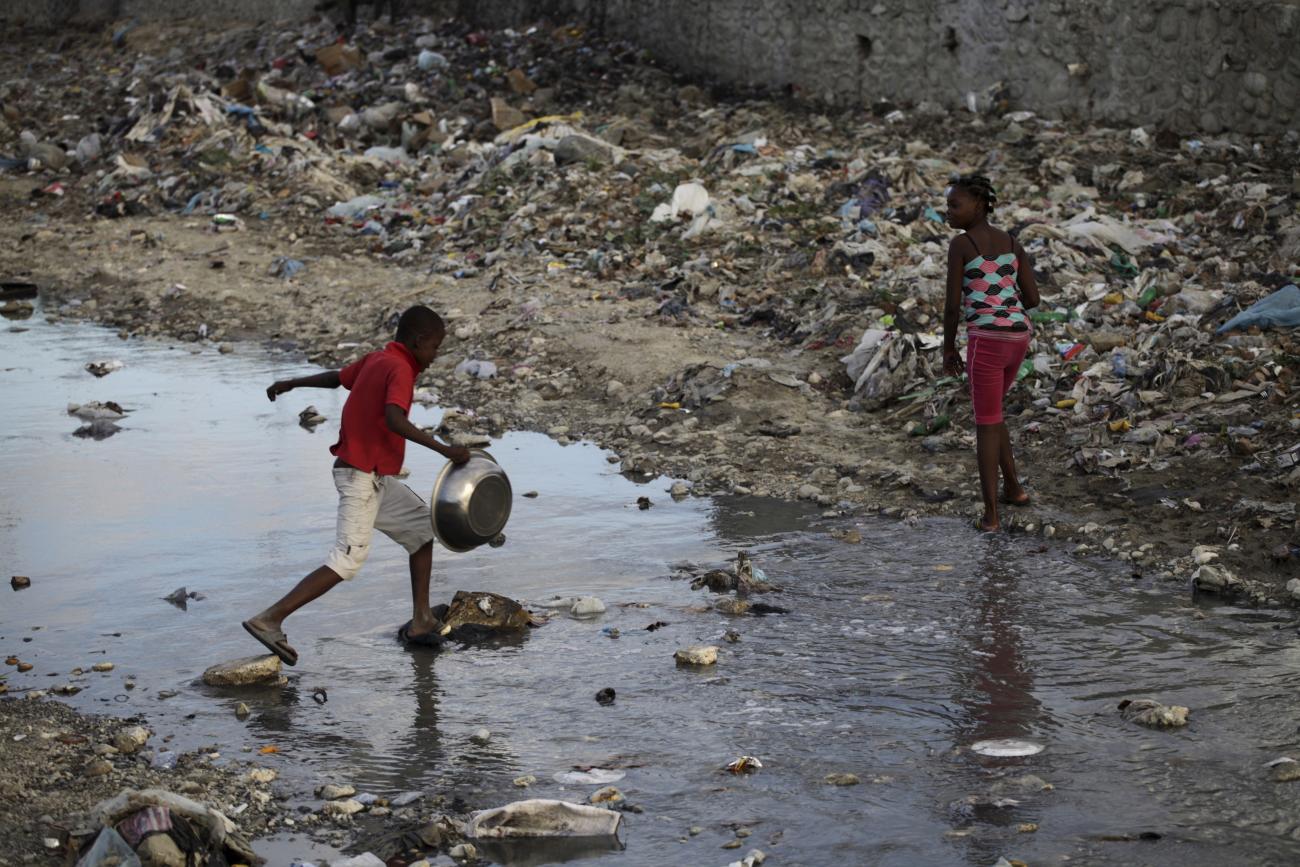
x: 369, y: 502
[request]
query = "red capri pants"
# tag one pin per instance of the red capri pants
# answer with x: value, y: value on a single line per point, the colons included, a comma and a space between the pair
x: 992, y: 361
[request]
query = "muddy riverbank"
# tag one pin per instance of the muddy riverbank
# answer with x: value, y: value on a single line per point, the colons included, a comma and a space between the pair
x: 592, y: 368
x: 59, y: 763
x: 523, y: 184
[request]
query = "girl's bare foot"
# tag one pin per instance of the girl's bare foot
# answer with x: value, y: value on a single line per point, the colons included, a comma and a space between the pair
x: 1015, y: 497
x: 984, y: 525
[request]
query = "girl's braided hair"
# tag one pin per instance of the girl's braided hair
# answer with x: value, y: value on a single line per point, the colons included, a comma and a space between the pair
x: 981, y: 188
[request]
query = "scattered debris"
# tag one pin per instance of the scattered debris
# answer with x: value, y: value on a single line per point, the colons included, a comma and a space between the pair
x: 700, y: 654
x: 104, y: 368
x: 310, y: 417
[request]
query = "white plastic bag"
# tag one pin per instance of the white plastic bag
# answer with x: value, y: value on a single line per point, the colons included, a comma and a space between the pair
x: 540, y: 817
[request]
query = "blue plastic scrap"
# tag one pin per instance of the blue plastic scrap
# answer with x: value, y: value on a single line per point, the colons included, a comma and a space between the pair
x: 193, y: 203
x: 286, y: 268
x: 1279, y: 310
x: 248, y: 113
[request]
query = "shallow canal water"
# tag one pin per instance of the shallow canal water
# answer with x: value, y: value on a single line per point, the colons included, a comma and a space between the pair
x: 896, y: 656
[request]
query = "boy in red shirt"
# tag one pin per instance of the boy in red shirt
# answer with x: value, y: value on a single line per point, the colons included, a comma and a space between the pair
x: 369, y: 453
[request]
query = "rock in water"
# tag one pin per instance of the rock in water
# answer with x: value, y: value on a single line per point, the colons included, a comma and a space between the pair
x: 731, y: 605
x: 587, y: 606
x: 840, y: 779
x: 482, y: 612
x: 346, y: 807
x: 246, y: 671
x: 128, y: 740
x: 20, y: 582
x: 1147, y: 712
x: 701, y: 654
x: 332, y: 792
x: 1286, y: 771
x: 609, y: 796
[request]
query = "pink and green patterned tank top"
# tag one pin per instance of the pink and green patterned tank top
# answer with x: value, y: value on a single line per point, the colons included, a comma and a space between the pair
x: 990, y: 294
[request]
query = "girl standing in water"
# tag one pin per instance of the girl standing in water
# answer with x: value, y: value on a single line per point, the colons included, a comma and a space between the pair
x: 990, y: 286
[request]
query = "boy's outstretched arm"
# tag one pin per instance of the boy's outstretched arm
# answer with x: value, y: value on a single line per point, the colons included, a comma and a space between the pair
x: 399, y: 424
x: 324, y: 379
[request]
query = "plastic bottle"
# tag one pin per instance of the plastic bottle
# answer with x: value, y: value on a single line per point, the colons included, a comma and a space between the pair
x: 1119, y: 364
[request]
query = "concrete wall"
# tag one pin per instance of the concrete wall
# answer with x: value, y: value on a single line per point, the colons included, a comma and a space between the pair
x: 1187, y: 64
x: 46, y: 13
x: 1207, y: 65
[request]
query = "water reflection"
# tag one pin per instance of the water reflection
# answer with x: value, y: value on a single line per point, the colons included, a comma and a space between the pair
x: 997, y: 702
x: 421, y: 743
x: 998, y: 695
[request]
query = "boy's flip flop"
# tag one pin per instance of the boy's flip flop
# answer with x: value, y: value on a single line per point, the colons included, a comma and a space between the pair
x: 427, y: 639
x: 274, y: 641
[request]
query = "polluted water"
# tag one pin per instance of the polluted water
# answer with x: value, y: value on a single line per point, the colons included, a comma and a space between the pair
x: 924, y: 696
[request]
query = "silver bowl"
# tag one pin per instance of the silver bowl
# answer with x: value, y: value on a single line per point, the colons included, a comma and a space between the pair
x: 470, y: 502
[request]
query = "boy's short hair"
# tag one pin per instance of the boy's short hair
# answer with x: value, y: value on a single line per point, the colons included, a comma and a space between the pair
x: 419, y: 322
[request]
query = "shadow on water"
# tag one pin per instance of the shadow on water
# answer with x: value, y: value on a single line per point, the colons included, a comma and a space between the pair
x: 897, y: 654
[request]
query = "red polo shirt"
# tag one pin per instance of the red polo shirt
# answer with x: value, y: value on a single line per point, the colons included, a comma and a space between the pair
x: 380, y: 378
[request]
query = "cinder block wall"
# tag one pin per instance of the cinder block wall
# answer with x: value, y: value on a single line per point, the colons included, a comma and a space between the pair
x: 1209, y: 65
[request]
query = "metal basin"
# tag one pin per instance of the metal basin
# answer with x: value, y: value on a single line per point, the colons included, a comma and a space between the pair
x: 470, y: 502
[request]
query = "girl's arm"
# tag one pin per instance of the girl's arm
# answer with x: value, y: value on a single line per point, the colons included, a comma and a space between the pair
x: 324, y: 379
x: 1025, y: 278
x: 952, y: 363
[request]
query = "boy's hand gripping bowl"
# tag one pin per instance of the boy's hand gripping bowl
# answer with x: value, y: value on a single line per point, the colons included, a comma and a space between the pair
x: 471, y: 503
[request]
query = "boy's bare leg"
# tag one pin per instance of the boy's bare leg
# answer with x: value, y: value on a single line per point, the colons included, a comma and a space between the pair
x: 422, y: 620
x: 316, y: 584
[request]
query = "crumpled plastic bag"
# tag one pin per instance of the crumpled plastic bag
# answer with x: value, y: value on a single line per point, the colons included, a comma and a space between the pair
x: 1103, y: 231
x: 885, y: 363
x: 354, y: 208
x: 689, y: 198
x: 1279, y: 310
x: 109, y: 848
x: 540, y: 817
x: 476, y: 368
x: 857, y: 362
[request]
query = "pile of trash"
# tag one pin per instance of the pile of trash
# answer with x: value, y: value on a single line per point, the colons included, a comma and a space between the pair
x: 552, y: 169
x: 462, y: 148
x: 157, y: 827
